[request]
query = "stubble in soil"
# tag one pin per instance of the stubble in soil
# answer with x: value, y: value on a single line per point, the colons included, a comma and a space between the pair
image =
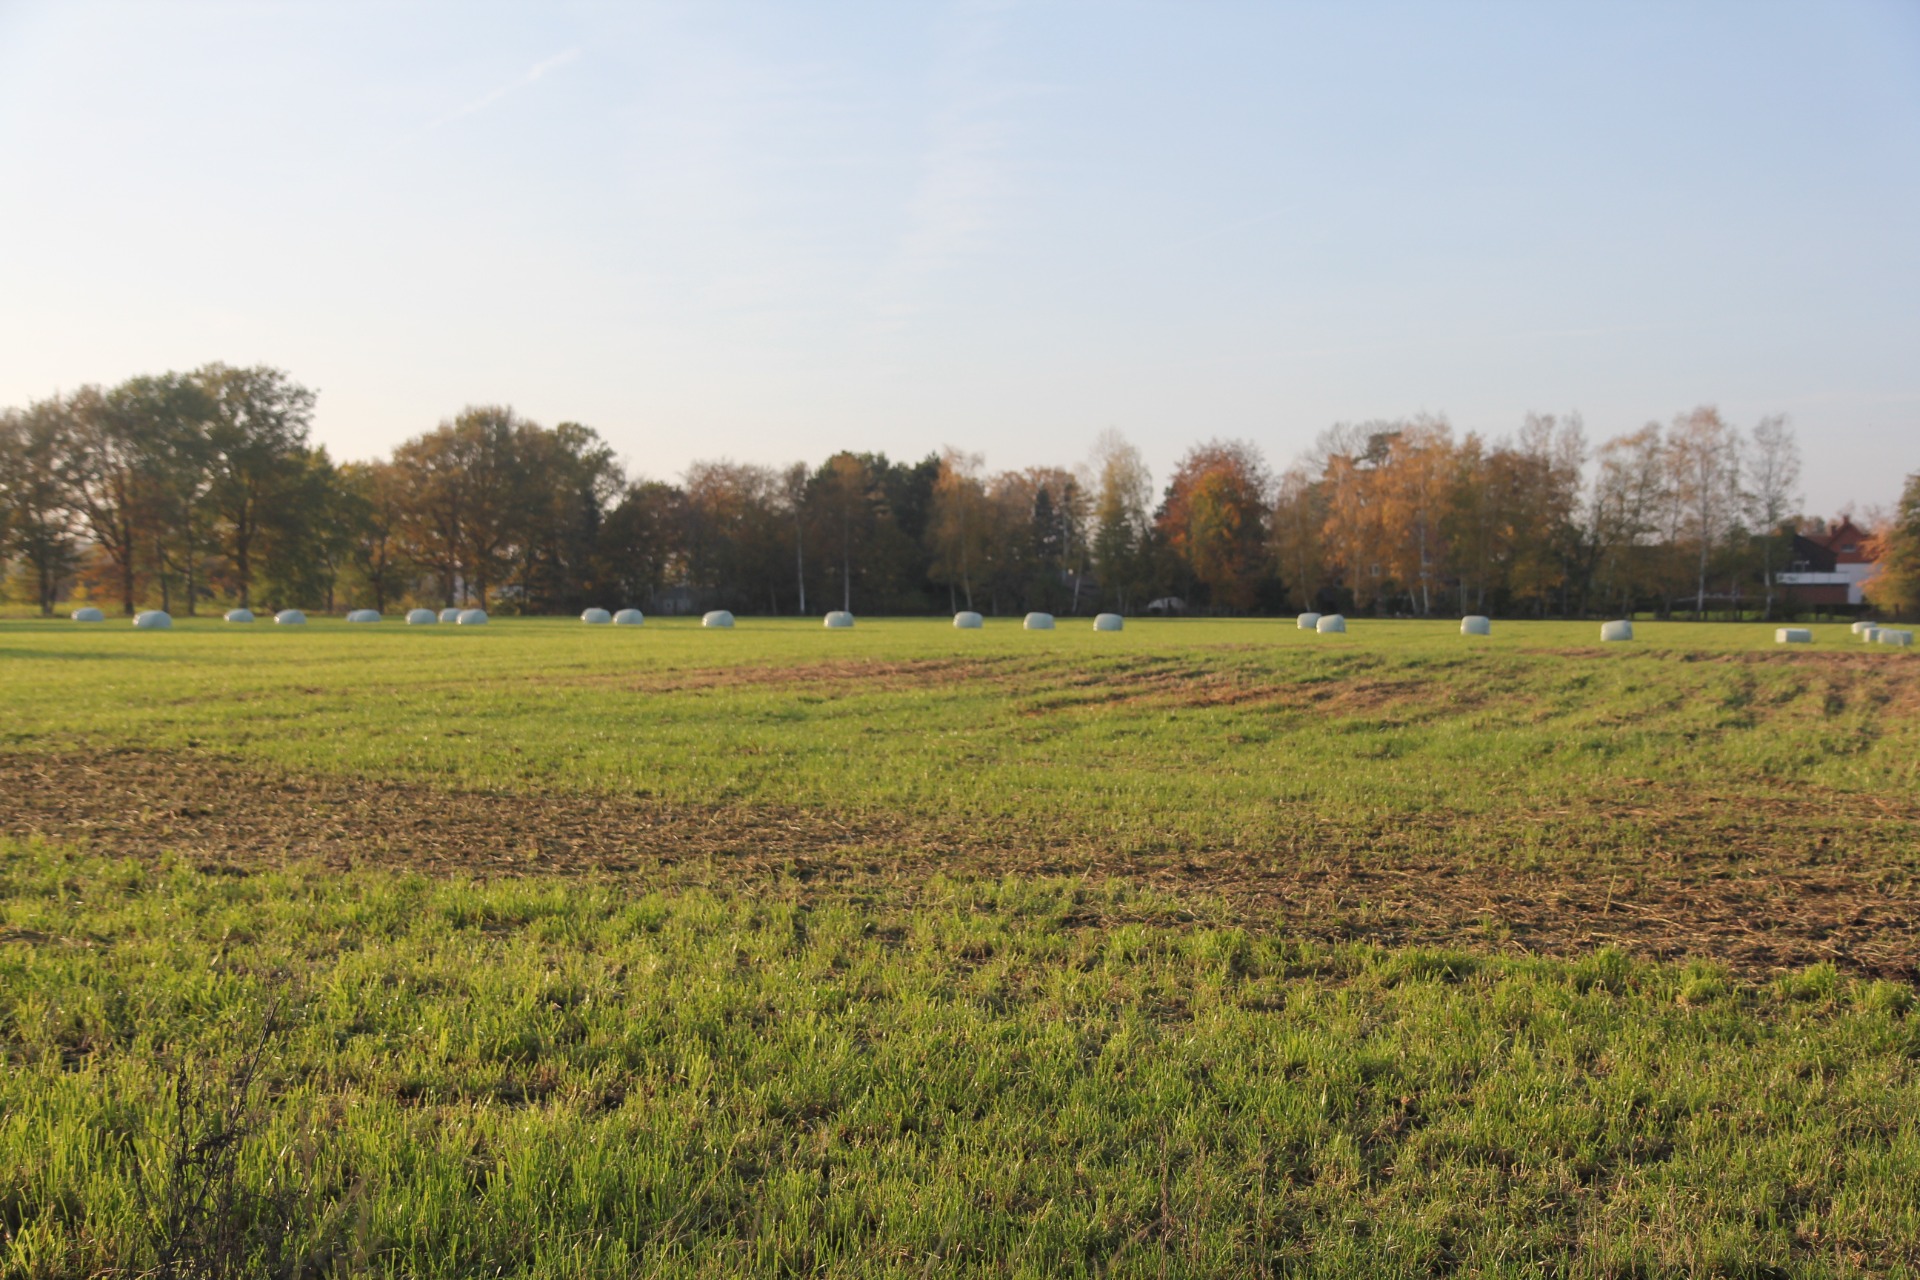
x: 1774, y: 887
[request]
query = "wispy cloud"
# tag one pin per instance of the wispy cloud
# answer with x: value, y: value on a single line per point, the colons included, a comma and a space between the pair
x: 532, y: 75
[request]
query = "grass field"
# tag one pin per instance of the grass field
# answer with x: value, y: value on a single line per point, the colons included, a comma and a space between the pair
x: 1202, y: 948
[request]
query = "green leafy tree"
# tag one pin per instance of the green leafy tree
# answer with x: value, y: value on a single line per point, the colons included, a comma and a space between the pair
x: 305, y: 542
x: 131, y: 455
x: 258, y: 421
x: 640, y: 548
x: 569, y: 480
x: 1122, y: 489
x: 34, y: 519
x: 845, y: 501
x: 378, y: 567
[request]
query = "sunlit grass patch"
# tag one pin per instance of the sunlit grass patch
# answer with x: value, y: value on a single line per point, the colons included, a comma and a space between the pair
x: 560, y: 1078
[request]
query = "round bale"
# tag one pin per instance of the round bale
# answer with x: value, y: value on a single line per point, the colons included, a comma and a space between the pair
x: 153, y: 620
x: 472, y: 618
x: 449, y: 614
x: 1307, y: 621
x: 239, y: 615
x: 364, y: 615
x: 968, y: 620
x: 1476, y: 625
x: 1330, y: 624
x: 716, y: 618
x: 1891, y: 635
x: 839, y: 620
x: 290, y: 618
x: 1868, y: 634
x: 1792, y: 635
x: 629, y: 618
x: 596, y: 617
x: 1109, y: 622
x: 1862, y: 625
x: 421, y: 617
x: 1619, y: 629
x: 1038, y: 622
x: 87, y: 613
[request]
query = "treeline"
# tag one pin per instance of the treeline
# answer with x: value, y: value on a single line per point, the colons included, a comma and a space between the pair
x: 194, y: 489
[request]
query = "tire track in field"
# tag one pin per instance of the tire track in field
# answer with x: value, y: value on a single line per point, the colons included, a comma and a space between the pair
x: 1758, y: 886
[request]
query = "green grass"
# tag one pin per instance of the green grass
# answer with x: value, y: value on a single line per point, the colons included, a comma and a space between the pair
x: 977, y: 1073
x: 1032, y: 1078
x: 1170, y: 735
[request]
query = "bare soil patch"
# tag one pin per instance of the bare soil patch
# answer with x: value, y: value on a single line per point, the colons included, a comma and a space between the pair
x: 1756, y: 886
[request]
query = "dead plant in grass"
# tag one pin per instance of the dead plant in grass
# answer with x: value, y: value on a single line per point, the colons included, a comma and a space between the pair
x: 204, y: 1222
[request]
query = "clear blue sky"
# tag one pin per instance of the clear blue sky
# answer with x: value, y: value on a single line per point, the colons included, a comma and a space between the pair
x: 767, y: 231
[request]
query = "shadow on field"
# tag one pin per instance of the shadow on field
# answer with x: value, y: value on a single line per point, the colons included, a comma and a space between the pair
x: 1755, y: 886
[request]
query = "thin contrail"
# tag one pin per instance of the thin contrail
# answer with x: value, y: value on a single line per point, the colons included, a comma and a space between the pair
x: 530, y: 76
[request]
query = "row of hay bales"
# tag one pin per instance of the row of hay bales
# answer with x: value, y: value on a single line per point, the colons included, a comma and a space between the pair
x: 966, y: 620
x: 160, y: 619
x: 1875, y: 633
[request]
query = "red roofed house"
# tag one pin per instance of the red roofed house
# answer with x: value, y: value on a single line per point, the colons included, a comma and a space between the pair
x: 1828, y: 569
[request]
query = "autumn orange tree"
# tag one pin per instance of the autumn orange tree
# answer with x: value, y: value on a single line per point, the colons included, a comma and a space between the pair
x: 957, y: 531
x: 1894, y: 587
x: 1214, y: 520
x: 1414, y: 491
x: 1298, y: 526
x: 1353, y: 537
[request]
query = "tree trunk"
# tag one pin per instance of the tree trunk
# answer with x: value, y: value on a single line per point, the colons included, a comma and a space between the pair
x: 1700, y: 585
x: 166, y: 591
x: 189, y: 565
x: 800, y: 567
x: 243, y: 570
x: 1768, y: 571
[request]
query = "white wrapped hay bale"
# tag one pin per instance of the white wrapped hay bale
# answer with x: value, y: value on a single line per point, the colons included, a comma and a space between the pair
x: 153, y: 620
x: 839, y: 620
x: 1891, y: 635
x: 1109, y: 622
x: 364, y: 615
x: 1862, y: 625
x: 449, y: 615
x: 716, y: 618
x: 1038, y: 622
x: 1868, y: 634
x: 1330, y: 624
x: 1792, y: 635
x: 1307, y: 621
x: 239, y: 615
x: 1476, y: 625
x: 87, y: 613
x: 421, y: 617
x: 1618, y: 629
x: 629, y: 618
x: 968, y: 620
x: 472, y: 618
x: 290, y: 618
x: 596, y: 617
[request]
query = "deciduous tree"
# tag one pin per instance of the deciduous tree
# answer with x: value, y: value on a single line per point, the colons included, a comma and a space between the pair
x: 1895, y: 585
x: 1214, y: 519
x: 35, y: 523
x: 1773, y: 489
x: 258, y: 420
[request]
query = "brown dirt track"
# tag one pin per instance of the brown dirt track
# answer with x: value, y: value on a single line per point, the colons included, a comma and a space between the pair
x: 1757, y: 888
